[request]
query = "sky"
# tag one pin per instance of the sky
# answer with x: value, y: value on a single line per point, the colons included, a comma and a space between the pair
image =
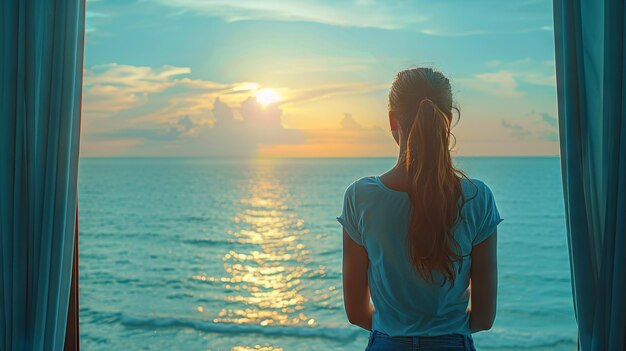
x: 197, y: 77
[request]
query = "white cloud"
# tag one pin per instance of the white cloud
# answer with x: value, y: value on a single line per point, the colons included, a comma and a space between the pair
x: 528, y: 70
x: 225, y: 136
x: 134, y: 78
x: 162, y: 110
x: 508, y: 75
x: 364, y: 14
x: 438, y: 18
x: 540, y: 127
x: 167, y: 92
x: 112, y: 88
x: 326, y: 91
x: 447, y: 33
x: 497, y: 83
x: 538, y: 78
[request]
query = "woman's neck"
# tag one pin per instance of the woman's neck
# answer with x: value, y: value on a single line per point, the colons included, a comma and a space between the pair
x: 396, y: 178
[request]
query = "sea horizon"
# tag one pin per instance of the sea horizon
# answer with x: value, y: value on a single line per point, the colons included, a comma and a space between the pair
x: 243, y: 158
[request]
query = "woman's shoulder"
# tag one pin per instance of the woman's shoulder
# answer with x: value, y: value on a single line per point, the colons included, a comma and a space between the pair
x: 475, y: 189
x: 363, y: 188
x: 362, y: 182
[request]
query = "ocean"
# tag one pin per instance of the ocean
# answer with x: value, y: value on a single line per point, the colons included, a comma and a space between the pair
x: 245, y: 254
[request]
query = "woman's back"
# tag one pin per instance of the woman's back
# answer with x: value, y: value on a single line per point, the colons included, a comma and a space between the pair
x: 411, y: 251
x: 377, y: 218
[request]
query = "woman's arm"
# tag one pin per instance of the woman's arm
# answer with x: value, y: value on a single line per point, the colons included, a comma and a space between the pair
x: 483, y: 284
x: 356, y: 292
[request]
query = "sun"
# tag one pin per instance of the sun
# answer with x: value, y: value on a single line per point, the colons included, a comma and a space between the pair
x: 267, y: 96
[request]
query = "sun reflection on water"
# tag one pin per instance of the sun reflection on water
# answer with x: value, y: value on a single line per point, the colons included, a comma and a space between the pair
x: 263, y: 284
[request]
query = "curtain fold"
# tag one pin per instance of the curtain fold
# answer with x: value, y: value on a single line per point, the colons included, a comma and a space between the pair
x: 41, y: 65
x: 72, y: 334
x: 590, y: 48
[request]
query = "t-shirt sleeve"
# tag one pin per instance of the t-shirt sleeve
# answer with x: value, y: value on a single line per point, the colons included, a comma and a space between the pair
x: 349, y: 217
x: 490, y: 218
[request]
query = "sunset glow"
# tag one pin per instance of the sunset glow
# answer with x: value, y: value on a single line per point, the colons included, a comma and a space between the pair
x: 267, y: 96
x: 320, y: 87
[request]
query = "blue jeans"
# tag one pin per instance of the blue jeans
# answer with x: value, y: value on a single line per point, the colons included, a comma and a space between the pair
x: 379, y: 341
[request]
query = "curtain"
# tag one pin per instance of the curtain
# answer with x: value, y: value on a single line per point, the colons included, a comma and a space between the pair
x: 72, y: 340
x: 41, y: 65
x: 591, y: 78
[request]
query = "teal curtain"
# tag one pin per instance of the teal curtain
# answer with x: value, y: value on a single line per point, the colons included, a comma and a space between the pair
x: 591, y: 80
x: 41, y: 65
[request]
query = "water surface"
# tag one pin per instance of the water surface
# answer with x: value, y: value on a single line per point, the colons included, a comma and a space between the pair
x: 220, y: 254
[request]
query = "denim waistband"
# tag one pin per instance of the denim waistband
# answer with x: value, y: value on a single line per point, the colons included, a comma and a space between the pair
x: 447, y: 340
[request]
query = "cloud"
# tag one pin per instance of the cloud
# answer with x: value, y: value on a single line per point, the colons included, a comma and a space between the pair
x: 550, y: 120
x: 162, y: 109
x: 528, y: 70
x: 112, y: 88
x: 240, y: 132
x: 434, y: 18
x: 446, y: 33
x: 364, y: 14
x: 536, y: 78
x: 137, y: 78
x: 516, y: 130
x: 349, y: 123
x: 154, y: 111
x: 223, y: 135
x: 163, y: 92
x: 497, y: 83
x: 89, y: 19
x: 506, y: 80
x: 327, y: 91
x: 182, y: 127
x: 548, y: 131
x: 264, y: 124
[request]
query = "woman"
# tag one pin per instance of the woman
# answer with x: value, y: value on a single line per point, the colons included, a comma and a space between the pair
x: 414, y: 237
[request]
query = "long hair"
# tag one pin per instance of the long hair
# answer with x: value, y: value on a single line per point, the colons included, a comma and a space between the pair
x: 422, y: 99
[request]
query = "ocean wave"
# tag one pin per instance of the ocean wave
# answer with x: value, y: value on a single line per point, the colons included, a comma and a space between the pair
x: 496, y: 338
x: 507, y: 338
x: 342, y: 334
x: 333, y: 333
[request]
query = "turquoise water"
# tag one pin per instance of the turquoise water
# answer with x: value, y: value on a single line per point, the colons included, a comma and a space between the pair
x: 216, y: 254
